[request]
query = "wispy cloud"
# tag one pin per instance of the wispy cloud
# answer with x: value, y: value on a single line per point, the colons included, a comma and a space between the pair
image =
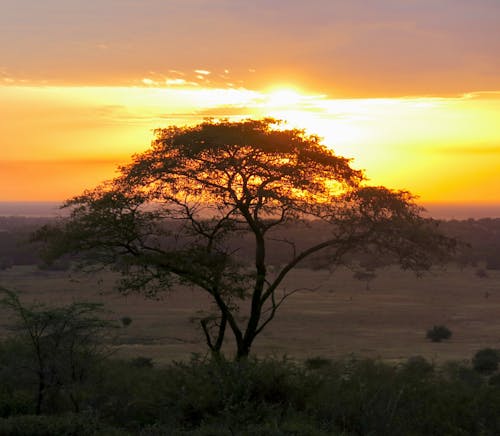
x: 175, y: 82
x: 480, y: 95
x: 8, y: 78
x: 177, y: 72
x: 188, y: 79
x: 149, y: 82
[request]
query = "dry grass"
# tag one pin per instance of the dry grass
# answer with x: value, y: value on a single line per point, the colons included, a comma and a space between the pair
x: 338, y: 318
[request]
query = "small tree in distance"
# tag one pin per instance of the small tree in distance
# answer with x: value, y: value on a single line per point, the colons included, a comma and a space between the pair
x: 182, y: 211
x: 63, y: 345
x: 438, y: 333
x: 365, y: 276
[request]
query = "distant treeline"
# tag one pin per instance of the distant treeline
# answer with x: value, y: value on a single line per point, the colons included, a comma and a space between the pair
x: 15, y: 246
x: 481, y: 240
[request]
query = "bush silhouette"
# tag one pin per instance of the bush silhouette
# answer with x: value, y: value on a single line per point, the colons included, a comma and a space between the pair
x: 486, y: 360
x: 438, y: 333
x: 126, y: 321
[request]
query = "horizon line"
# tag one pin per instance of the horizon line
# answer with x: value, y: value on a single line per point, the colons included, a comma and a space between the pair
x: 437, y: 210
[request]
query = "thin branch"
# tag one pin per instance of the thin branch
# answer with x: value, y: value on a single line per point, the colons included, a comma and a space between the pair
x: 288, y: 242
x: 345, y: 245
x: 275, y: 305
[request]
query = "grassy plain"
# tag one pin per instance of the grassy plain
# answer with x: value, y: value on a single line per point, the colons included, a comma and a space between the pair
x: 339, y: 317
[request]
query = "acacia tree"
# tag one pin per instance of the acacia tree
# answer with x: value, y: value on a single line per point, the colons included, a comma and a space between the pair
x: 179, y: 212
x: 63, y: 345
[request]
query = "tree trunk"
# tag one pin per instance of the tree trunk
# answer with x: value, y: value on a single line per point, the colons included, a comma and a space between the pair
x: 256, y: 304
x: 243, y: 351
x: 40, y: 393
x: 215, y: 345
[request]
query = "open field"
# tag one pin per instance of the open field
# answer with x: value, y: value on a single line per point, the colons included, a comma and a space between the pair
x: 339, y: 317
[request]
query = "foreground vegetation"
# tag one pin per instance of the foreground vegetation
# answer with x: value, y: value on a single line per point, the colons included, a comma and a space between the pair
x: 57, y: 377
x: 259, y: 397
x: 89, y: 392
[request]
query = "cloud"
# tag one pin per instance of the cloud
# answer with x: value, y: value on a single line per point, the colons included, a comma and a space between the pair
x: 175, y: 82
x: 8, y: 78
x: 480, y: 95
x: 149, y: 82
x: 176, y: 78
x: 348, y: 48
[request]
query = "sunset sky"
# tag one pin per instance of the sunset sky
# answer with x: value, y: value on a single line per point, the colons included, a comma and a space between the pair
x: 410, y: 89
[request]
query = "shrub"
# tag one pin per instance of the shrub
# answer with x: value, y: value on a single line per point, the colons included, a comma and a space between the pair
x: 126, y: 321
x: 266, y: 398
x: 59, y: 346
x: 459, y: 374
x: 317, y: 363
x: 494, y: 380
x: 417, y: 366
x: 142, y: 362
x: 61, y: 425
x: 486, y: 360
x: 481, y: 273
x: 438, y: 333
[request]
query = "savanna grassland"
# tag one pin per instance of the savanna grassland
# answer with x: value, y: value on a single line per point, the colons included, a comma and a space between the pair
x: 331, y: 315
x: 346, y: 354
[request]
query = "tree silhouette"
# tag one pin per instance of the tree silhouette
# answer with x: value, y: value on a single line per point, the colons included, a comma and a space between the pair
x: 179, y: 213
x: 63, y: 344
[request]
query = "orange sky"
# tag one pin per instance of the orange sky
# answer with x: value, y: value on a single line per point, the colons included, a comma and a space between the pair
x: 410, y: 89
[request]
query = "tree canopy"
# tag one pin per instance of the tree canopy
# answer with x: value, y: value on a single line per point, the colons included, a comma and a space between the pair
x: 180, y: 212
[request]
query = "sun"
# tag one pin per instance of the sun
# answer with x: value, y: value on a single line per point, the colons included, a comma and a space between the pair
x: 283, y: 97
x: 335, y: 121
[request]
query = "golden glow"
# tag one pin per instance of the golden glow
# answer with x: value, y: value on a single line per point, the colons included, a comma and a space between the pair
x: 56, y: 141
x: 284, y: 97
